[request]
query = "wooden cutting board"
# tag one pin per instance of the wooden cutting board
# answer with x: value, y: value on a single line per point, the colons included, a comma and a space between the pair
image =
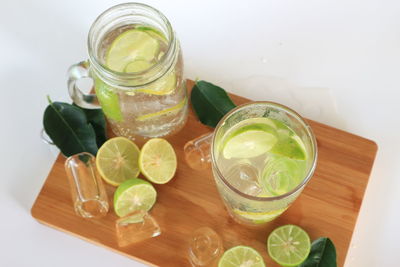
x: 328, y: 206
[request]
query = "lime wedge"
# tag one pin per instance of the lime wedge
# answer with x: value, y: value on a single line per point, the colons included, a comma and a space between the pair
x: 129, y: 46
x: 282, y: 174
x: 289, y: 245
x: 250, y: 141
x: 108, y: 99
x: 157, y: 161
x: 164, y: 86
x: 134, y: 194
x: 117, y: 160
x: 259, y: 217
x: 241, y: 256
x: 168, y: 111
x: 289, y: 144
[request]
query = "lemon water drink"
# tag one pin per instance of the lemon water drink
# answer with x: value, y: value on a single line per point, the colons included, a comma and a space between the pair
x: 136, y: 64
x: 150, y: 110
x: 262, y: 156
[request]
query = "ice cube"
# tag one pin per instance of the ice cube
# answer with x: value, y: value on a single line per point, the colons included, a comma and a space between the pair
x: 244, y: 177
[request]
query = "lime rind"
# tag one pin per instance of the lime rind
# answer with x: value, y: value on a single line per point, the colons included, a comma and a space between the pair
x: 241, y: 256
x: 250, y: 141
x: 288, y: 245
x: 134, y: 194
x: 260, y: 217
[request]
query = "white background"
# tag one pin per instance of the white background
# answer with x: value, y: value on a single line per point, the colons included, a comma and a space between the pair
x: 334, y: 61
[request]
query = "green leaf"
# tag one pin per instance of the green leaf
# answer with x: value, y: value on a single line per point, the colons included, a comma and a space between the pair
x: 69, y: 129
x: 96, y: 118
x: 323, y: 254
x: 210, y: 102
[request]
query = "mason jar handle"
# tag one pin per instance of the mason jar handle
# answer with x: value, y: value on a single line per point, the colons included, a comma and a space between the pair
x: 75, y: 73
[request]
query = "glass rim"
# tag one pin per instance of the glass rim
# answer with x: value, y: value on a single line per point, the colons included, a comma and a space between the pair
x: 108, y: 73
x: 286, y: 109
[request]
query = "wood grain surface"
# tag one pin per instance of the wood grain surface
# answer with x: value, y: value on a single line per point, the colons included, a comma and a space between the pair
x: 328, y: 206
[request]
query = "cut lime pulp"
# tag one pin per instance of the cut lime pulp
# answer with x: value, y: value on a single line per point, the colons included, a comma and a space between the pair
x: 134, y: 194
x: 241, y: 256
x: 289, y: 245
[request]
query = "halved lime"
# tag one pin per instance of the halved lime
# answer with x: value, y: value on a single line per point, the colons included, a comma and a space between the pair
x: 130, y: 46
x: 134, y: 194
x: 241, y: 256
x: 168, y: 111
x: 157, y: 161
x: 289, y: 245
x: 117, y: 160
x: 250, y: 141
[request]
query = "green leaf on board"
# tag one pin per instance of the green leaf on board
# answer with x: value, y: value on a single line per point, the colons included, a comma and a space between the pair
x: 210, y: 102
x: 96, y: 118
x: 69, y: 129
x: 323, y: 254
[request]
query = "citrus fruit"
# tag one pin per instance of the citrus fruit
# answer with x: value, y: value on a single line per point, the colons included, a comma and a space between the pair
x: 157, y: 161
x: 288, y: 245
x: 241, y: 256
x: 117, y: 160
x: 130, y: 46
x: 250, y: 141
x: 132, y: 195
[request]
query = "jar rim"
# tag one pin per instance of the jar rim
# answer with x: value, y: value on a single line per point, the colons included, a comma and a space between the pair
x: 115, y: 78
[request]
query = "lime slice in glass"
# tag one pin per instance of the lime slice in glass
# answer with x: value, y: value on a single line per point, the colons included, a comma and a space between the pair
x: 250, y: 141
x: 157, y: 161
x: 163, y: 86
x: 241, y: 256
x: 134, y: 194
x: 281, y: 174
x: 289, y: 144
x: 168, y: 111
x: 117, y: 160
x: 289, y: 245
x: 130, y: 46
x: 259, y: 217
x: 108, y: 99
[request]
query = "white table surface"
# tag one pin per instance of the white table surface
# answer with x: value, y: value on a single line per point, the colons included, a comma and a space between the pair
x: 336, y: 62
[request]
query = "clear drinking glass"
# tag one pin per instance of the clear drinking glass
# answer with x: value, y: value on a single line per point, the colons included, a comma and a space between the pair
x: 151, y: 102
x: 87, y: 190
x: 246, y: 207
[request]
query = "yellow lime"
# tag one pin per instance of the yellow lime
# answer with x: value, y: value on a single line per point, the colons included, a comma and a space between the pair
x: 157, y: 161
x: 117, y: 160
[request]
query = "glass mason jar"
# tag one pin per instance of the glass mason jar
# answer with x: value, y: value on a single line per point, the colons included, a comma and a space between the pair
x: 138, y: 102
x: 251, y: 209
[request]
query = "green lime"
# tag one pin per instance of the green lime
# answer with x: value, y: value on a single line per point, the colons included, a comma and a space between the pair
x: 134, y: 194
x: 249, y: 141
x: 289, y: 143
x: 281, y: 174
x: 117, y: 160
x: 108, y: 99
x: 289, y: 245
x: 130, y: 46
x: 164, y: 86
x: 241, y: 256
x: 157, y: 161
